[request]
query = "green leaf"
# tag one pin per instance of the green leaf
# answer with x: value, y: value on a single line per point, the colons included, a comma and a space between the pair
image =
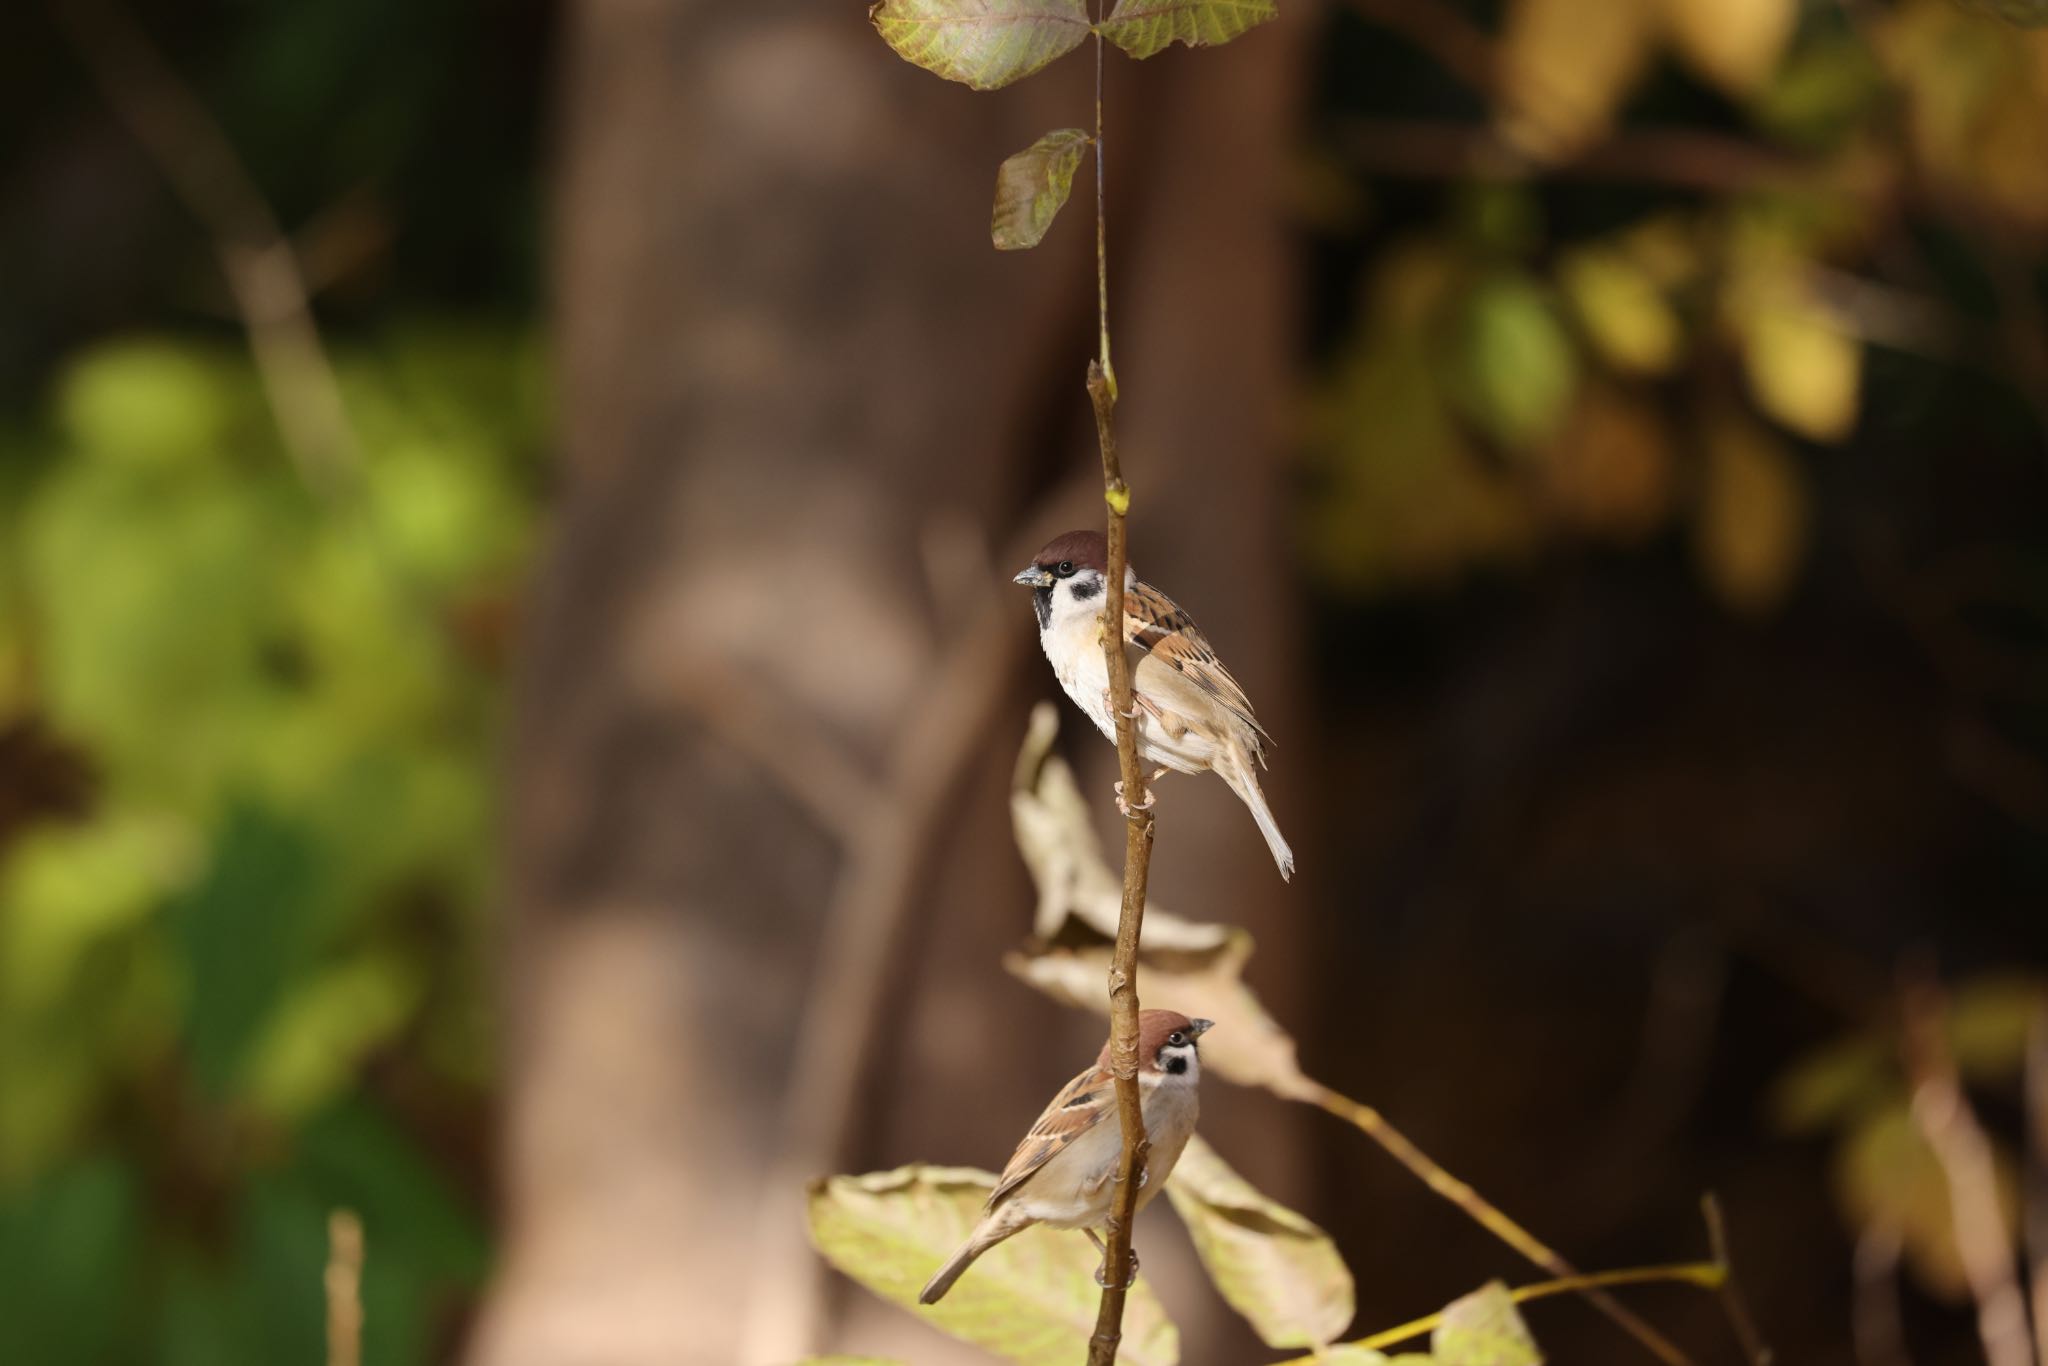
x: 322, y: 1031
x: 1030, y: 1300
x: 1835, y: 1083
x: 67, y: 1253
x: 1144, y: 27
x: 1484, y: 1329
x: 1032, y: 187
x: 149, y: 401
x: 1517, y: 366
x: 242, y: 932
x: 1988, y: 1021
x: 1622, y: 310
x: 983, y: 43
x: 1272, y: 1265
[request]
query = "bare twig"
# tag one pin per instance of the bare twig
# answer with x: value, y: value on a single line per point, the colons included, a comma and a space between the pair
x: 256, y: 257
x: 887, y: 847
x: 1123, y: 971
x: 810, y: 764
x: 861, y: 935
x: 344, y: 1285
x: 1951, y: 1130
x: 1375, y: 1126
x: 1739, y: 1317
x: 1460, y: 46
x: 1679, y: 158
x: 1706, y: 1275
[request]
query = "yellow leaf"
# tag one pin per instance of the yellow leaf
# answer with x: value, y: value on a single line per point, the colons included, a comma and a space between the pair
x: 1484, y: 1329
x: 1619, y: 304
x: 1977, y: 101
x: 1804, y: 371
x: 1752, y: 519
x: 1836, y: 1083
x: 1273, y: 1266
x: 1566, y: 68
x: 1030, y: 1300
x: 1736, y: 44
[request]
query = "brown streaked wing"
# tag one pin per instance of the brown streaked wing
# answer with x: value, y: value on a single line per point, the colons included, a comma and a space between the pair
x: 1155, y: 622
x: 1080, y: 1106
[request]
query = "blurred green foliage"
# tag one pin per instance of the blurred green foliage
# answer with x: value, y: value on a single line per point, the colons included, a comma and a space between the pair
x: 241, y: 975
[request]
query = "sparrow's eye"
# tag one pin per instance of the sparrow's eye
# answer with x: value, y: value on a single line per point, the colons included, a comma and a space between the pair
x: 1176, y: 1038
x: 1066, y: 569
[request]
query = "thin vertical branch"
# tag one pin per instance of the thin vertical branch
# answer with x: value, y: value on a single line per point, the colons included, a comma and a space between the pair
x: 1123, y: 971
x: 344, y: 1285
x: 1875, y: 1320
x: 1739, y: 1317
x: 256, y: 258
x: 1959, y: 1143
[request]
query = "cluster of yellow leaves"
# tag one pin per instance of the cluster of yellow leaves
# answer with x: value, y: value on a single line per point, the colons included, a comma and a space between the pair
x: 1484, y: 411
x: 1567, y: 71
x: 1977, y: 101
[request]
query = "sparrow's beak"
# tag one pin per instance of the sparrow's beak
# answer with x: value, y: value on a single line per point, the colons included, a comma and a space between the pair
x: 1034, y: 577
x: 1200, y: 1027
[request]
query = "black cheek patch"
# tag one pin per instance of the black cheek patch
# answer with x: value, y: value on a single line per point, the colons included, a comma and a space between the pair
x: 1041, y: 600
x: 1176, y: 1063
x: 1087, y: 589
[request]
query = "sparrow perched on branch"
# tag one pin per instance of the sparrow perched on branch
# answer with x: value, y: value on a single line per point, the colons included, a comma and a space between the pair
x: 1191, y: 713
x: 1064, y: 1172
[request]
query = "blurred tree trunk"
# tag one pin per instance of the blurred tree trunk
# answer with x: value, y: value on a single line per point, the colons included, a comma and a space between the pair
x: 798, y: 389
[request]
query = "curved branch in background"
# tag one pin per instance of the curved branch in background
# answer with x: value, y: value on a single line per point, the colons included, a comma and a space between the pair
x: 1706, y: 1275
x: 1398, y: 1146
x: 888, y: 843
x: 1878, y: 1328
x: 1950, y: 1127
x: 1457, y: 44
x: 257, y: 259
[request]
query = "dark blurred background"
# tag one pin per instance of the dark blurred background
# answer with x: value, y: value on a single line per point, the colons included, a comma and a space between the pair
x: 508, y: 682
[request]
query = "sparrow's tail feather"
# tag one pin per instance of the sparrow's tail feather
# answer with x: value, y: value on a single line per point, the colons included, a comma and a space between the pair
x: 981, y: 1240
x: 1244, y: 781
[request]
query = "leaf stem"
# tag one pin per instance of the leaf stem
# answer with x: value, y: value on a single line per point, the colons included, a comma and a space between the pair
x: 1706, y: 1275
x: 1123, y: 971
x: 1398, y: 1146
